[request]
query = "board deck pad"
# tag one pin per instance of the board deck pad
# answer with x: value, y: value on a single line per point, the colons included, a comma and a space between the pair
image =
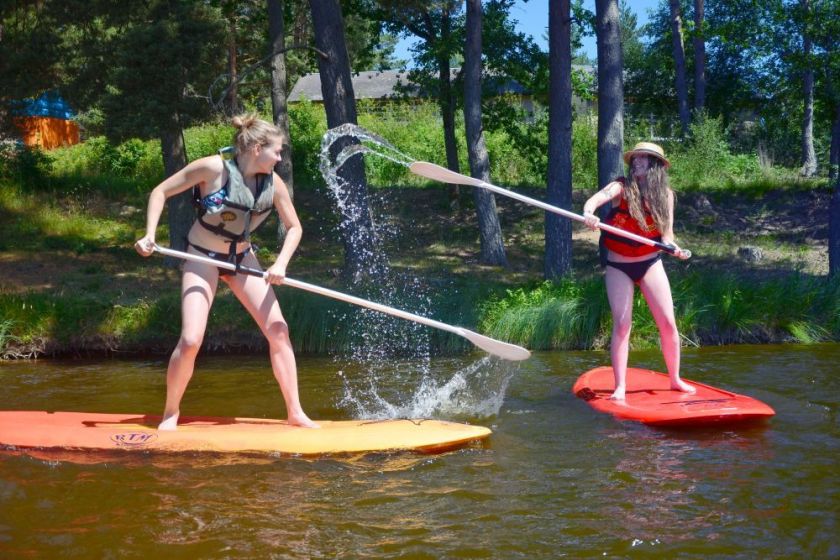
x: 95, y: 431
x: 650, y: 400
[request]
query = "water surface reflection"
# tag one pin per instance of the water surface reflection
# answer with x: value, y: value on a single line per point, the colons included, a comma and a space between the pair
x: 555, y: 480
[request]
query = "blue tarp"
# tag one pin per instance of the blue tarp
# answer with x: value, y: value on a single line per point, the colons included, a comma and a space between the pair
x: 49, y: 104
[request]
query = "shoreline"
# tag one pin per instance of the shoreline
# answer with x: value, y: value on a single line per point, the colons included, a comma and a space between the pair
x: 71, y: 296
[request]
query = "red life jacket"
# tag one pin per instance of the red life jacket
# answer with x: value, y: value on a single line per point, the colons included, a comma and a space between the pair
x: 620, y: 217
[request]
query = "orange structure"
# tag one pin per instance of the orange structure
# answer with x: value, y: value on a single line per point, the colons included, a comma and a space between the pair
x: 46, y: 122
x: 47, y: 132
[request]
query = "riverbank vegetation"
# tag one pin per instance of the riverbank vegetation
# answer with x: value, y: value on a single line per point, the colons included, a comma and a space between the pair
x: 72, y: 283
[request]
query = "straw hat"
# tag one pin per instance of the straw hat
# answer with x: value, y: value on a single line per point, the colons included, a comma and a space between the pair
x: 647, y: 149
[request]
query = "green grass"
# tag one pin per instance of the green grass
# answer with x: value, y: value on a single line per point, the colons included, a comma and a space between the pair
x: 711, y: 308
x: 72, y: 221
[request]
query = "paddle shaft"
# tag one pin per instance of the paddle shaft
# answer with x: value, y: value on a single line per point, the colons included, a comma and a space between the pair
x: 501, y: 349
x: 442, y: 174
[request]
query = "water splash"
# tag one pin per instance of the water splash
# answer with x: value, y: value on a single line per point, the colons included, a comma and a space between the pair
x: 369, y: 143
x: 395, y: 354
x: 475, y: 390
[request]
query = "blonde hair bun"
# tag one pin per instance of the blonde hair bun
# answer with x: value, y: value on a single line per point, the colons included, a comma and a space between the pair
x: 251, y: 130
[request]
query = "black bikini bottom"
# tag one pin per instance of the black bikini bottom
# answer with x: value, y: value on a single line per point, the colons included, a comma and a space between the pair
x: 235, y: 259
x: 635, y: 270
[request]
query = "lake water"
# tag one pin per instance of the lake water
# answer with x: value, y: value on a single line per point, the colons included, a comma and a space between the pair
x: 555, y: 479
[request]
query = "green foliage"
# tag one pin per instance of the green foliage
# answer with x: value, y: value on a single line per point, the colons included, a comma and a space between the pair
x: 307, y: 125
x: 422, y: 139
x: 97, y: 156
x: 162, y: 50
x: 206, y: 139
x: 560, y: 315
x: 522, y: 140
x: 584, y: 152
x: 728, y: 308
x: 704, y: 160
x: 81, y: 320
x: 27, y: 167
x: 712, y: 308
x: 517, y: 152
x: 511, y: 165
x: 38, y: 221
x: 7, y: 339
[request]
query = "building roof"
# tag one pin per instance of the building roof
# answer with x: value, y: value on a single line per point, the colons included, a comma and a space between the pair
x: 373, y: 84
x: 395, y: 84
x: 49, y: 104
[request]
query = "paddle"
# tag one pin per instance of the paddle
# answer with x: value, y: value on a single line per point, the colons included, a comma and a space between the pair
x: 438, y: 173
x: 491, y: 346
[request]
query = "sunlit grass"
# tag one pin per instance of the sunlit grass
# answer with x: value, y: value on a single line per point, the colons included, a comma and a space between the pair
x: 66, y: 221
x: 711, y: 308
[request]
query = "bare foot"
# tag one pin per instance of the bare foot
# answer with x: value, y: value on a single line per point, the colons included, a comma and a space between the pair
x: 170, y: 423
x: 302, y: 421
x: 682, y: 387
x: 618, y: 394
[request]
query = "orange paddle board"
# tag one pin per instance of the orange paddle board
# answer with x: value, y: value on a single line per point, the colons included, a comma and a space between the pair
x: 650, y: 400
x: 130, y: 432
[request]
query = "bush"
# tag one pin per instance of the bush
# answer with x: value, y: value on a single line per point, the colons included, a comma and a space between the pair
x: 562, y: 315
x: 28, y: 167
x: 516, y: 141
x: 206, y: 139
x: 705, y: 161
x: 421, y: 140
x: 585, y: 152
x: 307, y: 125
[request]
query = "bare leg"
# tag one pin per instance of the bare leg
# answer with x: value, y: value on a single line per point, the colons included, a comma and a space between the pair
x: 258, y: 298
x: 198, y: 286
x: 620, y: 290
x: 657, y: 291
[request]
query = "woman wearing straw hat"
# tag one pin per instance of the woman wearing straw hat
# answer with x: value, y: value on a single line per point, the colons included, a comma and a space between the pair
x: 642, y: 203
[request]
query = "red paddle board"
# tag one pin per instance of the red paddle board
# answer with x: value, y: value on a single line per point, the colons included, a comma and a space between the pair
x: 650, y: 400
x: 138, y: 432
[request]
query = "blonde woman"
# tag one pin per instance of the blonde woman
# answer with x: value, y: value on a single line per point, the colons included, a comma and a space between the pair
x: 642, y: 203
x: 234, y: 196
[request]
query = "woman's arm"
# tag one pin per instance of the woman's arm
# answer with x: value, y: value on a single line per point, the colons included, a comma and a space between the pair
x: 612, y: 191
x: 294, y: 231
x: 198, y: 172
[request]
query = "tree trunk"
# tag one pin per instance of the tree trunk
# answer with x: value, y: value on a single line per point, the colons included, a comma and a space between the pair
x: 679, y: 62
x: 279, y: 106
x: 447, y: 113
x: 610, y: 96
x: 834, y: 231
x: 558, y: 230
x: 834, y: 149
x: 699, y: 56
x: 809, y: 155
x: 232, y: 94
x: 834, y: 205
x: 610, y: 92
x: 180, y: 210
x: 362, y: 258
x: 490, y: 232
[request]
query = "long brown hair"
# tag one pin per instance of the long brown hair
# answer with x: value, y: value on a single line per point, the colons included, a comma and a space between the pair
x: 652, y: 196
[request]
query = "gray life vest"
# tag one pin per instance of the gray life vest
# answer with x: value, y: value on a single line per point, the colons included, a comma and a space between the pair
x: 233, y: 212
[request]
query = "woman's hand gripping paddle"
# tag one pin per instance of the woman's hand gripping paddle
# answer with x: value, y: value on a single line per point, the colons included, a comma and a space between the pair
x: 498, y: 348
x: 444, y: 175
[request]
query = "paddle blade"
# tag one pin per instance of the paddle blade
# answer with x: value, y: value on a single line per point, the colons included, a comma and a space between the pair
x: 498, y: 348
x: 442, y: 174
